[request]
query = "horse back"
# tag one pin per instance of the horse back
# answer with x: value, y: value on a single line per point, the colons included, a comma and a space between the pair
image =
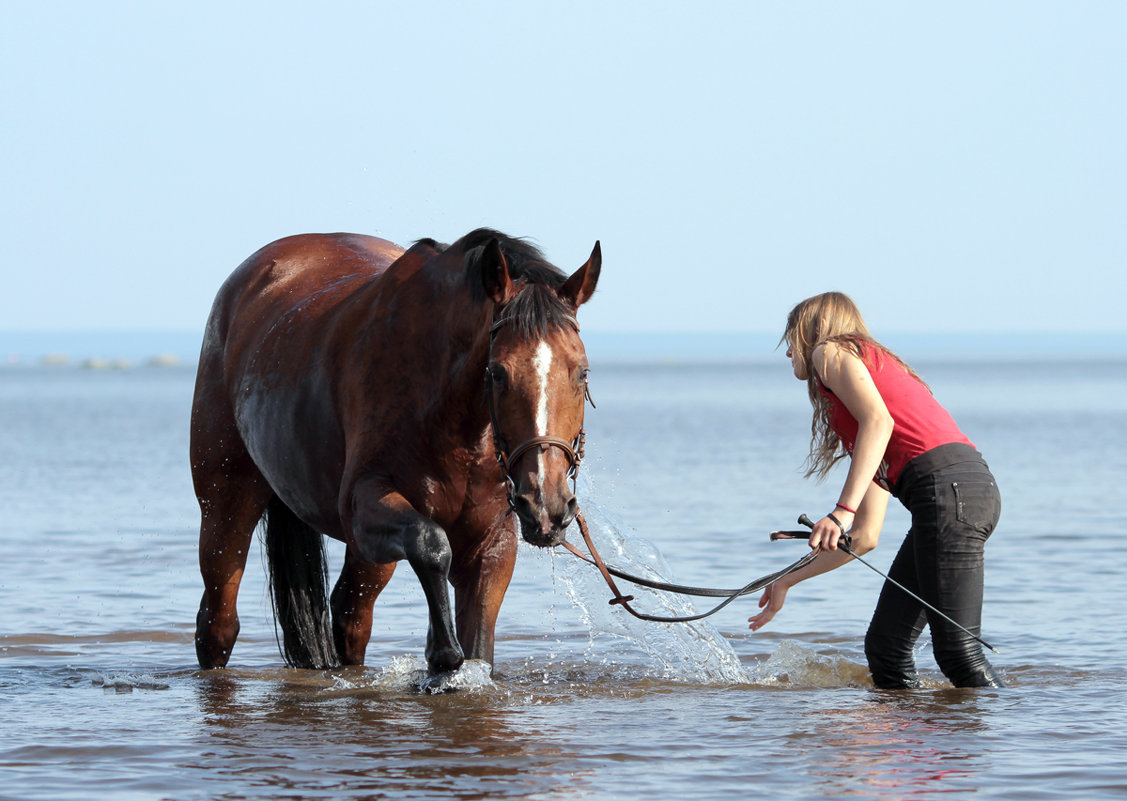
x: 265, y: 373
x: 305, y: 274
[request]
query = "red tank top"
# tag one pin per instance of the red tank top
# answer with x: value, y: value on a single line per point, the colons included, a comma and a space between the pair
x: 919, y: 422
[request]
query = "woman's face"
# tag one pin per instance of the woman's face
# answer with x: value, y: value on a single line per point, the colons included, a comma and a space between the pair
x: 796, y: 364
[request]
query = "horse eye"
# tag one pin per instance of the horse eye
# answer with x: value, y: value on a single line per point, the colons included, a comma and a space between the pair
x: 497, y: 375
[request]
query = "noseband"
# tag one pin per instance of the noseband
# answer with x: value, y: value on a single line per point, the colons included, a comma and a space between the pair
x: 507, y: 461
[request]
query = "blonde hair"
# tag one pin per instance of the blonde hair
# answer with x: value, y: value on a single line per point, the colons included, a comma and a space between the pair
x: 829, y: 317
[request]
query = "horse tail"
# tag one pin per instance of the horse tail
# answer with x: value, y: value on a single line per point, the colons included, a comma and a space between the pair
x: 299, y: 578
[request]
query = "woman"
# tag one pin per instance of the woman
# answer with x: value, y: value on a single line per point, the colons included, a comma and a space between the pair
x: 871, y: 406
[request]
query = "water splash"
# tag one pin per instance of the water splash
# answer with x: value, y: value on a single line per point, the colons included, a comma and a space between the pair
x: 683, y: 652
x: 127, y: 682
x: 409, y: 674
x: 472, y: 675
x: 792, y: 665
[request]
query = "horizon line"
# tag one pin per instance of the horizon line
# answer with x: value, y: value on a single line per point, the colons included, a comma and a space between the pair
x: 133, y: 345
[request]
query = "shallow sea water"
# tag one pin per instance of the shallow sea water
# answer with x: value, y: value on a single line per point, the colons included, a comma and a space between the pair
x: 689, y: 467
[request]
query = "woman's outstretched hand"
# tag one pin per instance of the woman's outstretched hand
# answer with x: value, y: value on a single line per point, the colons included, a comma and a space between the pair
x: 771, y: 601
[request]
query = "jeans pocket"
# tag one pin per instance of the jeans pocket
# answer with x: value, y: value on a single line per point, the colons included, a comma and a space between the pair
x: 977, y: 505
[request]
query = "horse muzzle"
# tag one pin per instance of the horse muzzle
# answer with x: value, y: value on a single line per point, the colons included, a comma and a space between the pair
x: 542, y: 523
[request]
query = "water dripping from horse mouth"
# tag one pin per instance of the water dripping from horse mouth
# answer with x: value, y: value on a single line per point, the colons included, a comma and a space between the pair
x: 533, y: 533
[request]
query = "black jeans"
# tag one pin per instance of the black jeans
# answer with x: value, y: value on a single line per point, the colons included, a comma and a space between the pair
x: 955, y: 507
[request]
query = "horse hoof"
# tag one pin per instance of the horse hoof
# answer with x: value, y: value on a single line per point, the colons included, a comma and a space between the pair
x: 436, y: 683
x: 445, y: 660
x: 474, y: 674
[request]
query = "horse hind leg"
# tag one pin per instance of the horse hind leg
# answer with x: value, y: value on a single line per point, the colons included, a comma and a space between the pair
x: 356, y: 590
x: 232, y: 495
x: 230, y: 511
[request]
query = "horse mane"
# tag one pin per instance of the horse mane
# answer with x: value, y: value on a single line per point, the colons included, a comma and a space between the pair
x: 536, y: 308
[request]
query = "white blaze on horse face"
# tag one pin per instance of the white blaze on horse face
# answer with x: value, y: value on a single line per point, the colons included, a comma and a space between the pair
x: 542, y: 363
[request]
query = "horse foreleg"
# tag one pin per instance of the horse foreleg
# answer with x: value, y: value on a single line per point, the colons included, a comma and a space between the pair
x: 385, y: 528
x: 356, y: 590
x: 480, y: 580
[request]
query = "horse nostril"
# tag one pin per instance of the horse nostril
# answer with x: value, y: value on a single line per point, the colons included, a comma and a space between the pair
x: 572, y: 511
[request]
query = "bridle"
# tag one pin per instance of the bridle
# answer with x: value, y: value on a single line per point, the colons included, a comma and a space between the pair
x: 506, y: 460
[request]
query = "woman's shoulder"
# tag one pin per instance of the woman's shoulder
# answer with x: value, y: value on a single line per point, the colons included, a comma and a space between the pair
x: 832, y: 353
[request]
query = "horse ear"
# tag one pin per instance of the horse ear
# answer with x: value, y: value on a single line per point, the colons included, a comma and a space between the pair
x: 579, y: 288
x: 495, y: 273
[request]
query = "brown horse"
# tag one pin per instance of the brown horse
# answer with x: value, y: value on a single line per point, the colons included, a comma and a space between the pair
x: 349, y: 388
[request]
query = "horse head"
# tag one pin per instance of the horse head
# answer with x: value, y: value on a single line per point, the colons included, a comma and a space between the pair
x: 536, y: 382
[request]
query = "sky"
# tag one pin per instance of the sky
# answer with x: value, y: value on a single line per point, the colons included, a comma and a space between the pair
x: 956, y: 167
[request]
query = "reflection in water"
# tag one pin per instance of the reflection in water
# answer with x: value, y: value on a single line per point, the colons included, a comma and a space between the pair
x: 368, y: 733
x: 363, y: 733
x: 888, y: 740
x: 301, y: 731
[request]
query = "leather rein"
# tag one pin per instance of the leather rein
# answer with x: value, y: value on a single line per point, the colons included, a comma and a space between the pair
x: 624, y: 600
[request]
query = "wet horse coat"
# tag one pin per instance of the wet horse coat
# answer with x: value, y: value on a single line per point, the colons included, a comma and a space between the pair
x: 343, y: 389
